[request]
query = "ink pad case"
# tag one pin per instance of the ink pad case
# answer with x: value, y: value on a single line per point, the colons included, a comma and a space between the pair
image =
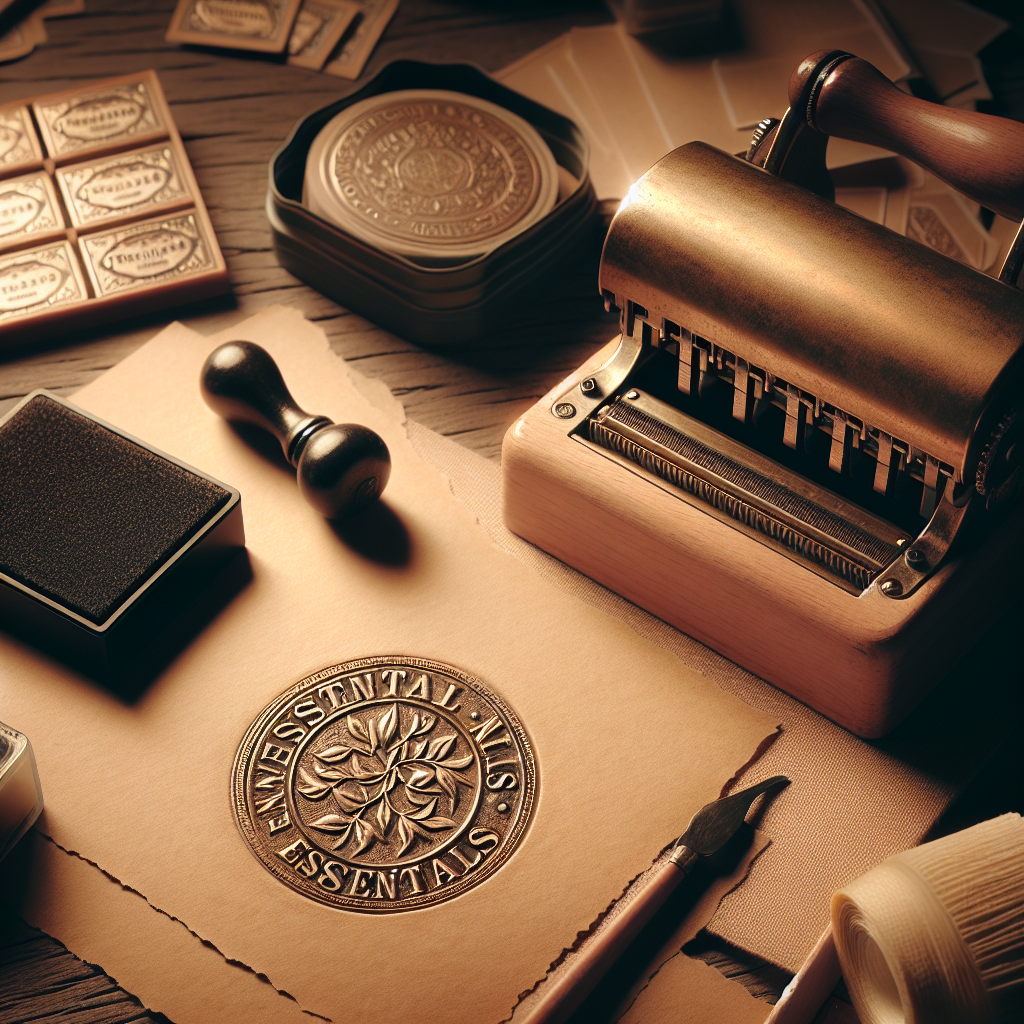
x: 104, y: 540
x: 455, y: 303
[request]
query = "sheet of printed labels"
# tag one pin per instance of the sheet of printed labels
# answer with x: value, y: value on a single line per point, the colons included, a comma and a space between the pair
x: 413, y: 836
x: 129, y: 232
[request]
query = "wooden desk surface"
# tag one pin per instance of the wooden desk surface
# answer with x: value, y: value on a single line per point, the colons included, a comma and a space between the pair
x: 233, y: 112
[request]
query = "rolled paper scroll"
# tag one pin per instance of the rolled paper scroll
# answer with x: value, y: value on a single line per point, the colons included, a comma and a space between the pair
x: 935, y: 935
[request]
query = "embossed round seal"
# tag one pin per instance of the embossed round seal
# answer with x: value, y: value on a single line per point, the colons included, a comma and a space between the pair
x: 430, y: 173
x: 384, y: 784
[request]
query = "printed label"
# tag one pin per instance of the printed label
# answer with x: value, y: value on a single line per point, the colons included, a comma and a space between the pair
x: 17, y: 140
x: 29, y: 284
x: 95, y: 120
x: 142, y: 255
x: 124, y: 185
x: 234, y: 17
x: 97, y: 117
x: 17, y: 211
x: 150, y: 254
x: 117, y: 188
x: 9, y: 139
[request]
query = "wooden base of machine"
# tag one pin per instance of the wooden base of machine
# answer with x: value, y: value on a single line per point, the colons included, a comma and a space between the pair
x: 863, y: 660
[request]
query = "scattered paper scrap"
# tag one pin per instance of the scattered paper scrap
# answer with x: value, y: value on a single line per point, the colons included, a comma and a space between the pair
x: 318, y: 28
x: 361, y: 39
x: 261, y: 25
x: 21, y: 39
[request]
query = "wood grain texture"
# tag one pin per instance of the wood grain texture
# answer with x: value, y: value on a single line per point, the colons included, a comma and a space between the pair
x: 41, y: 981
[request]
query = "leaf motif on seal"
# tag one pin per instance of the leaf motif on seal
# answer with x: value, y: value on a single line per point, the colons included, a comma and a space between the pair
x: 333, y: 754
x: 333, y: 822
x: 310, y: 787
x: 385, y: 789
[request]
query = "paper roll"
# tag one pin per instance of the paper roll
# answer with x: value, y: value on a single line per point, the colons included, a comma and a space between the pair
x: 935, y: 935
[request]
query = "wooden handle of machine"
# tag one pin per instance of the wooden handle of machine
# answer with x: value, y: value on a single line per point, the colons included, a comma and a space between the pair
x: 980, y: 155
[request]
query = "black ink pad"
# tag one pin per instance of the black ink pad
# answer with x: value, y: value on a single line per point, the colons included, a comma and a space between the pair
x: 103, y: 539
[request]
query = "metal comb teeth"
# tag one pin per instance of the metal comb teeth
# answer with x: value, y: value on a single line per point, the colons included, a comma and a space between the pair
x: 811, y: 524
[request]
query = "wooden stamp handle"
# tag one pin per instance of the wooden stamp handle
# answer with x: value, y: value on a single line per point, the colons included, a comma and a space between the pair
x: 978, y: 154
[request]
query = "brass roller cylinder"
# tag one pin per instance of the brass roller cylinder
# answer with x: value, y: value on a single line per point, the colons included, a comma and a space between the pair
x: 884, y: 328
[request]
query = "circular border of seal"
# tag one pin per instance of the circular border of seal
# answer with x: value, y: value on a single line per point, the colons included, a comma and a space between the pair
x: 318, y: 190
x: 283, y: 870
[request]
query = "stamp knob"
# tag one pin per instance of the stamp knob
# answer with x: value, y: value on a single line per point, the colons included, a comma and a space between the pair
x: 341, y: 467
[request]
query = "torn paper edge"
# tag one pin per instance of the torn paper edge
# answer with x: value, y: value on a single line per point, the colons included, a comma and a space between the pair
x: 177, y: 920
x: 679, y: 952
x: 632, y: 889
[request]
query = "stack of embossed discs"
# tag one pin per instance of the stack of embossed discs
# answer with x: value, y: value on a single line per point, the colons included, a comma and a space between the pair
x: 100, y: 214
x: 433, y: 175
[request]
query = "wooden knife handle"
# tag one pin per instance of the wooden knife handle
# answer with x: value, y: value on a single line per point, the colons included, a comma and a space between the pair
x: 978, y: 154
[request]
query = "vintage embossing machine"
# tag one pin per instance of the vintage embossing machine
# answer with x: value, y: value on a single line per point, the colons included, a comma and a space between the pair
x: 804, y: 449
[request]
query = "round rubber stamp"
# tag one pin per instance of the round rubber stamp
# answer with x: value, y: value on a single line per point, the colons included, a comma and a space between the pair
x: 385, y: 784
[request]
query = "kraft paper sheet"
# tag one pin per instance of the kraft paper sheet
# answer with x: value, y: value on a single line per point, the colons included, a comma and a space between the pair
x: 780, y: 34
x: 635, y: 103
x: 553, y: 73
x: 629, y: 740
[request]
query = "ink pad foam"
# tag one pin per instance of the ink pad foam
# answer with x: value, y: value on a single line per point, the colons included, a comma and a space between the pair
x: 103, y: 539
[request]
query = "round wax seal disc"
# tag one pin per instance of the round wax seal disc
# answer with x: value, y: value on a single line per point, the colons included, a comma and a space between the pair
x: 385, y: 784
x: 427, y: 172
